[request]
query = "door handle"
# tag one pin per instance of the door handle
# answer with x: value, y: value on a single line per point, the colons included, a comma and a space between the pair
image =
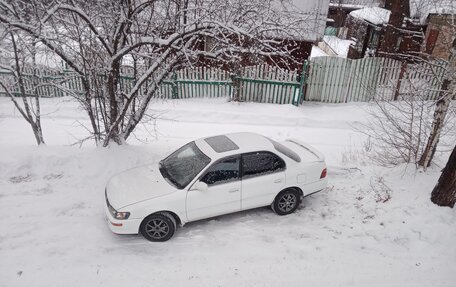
x: 278, y: 180
x: 233, y: 190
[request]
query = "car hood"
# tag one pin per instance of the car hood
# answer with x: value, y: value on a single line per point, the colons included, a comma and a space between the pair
x: 136, y: 185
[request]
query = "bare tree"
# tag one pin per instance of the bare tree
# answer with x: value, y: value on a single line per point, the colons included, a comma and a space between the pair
x: 398, y: 129
x: 22, y: 89
x: 97, y: 38
x: 410, y: 130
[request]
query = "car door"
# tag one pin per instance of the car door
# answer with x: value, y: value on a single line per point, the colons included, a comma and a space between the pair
x: 263, y: 176
x: 223, y: 194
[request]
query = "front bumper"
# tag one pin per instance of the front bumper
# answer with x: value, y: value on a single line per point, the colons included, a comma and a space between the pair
x: 127, y: 226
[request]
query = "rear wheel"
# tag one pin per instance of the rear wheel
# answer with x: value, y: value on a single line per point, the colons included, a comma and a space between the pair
x: 158, y: 227
x: 286, y: 202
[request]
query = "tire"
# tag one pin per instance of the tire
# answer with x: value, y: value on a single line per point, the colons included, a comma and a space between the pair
x: 158, y: 227
x: 286, y: 202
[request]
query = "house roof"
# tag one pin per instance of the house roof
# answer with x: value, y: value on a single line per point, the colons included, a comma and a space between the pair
x: 374, y: 15
x: 356, y: 4
x: 421, y: 9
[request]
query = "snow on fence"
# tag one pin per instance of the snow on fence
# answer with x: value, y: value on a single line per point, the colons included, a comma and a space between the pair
x: 339, y: 80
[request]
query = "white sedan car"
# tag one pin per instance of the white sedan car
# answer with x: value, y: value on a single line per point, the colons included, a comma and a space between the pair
x: 213, y: 176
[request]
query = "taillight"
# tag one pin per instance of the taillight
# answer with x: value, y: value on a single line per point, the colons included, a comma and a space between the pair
x: 323, y: 173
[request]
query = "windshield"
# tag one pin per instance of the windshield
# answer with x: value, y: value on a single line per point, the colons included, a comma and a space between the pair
x: 183, y: 165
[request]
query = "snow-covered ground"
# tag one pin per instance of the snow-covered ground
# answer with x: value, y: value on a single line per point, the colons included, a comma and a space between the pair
x: 53, y: 231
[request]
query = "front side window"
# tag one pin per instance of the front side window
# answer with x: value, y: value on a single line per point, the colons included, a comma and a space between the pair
x: 221, y: 172
x: 183, y: 165
x: 261, y: 163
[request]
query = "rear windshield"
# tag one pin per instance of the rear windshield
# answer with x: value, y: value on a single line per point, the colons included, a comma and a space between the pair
x: 285, y: 150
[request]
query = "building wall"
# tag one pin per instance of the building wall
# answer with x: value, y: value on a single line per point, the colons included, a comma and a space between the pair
x: 300, y: 52
x: 357, y: 30
x: 316, y: 12
x: 439, y: 36
x: 339, y: 9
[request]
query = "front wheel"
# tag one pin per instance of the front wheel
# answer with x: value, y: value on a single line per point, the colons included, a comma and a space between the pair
x: 158, y: 227
x: 286, y: 202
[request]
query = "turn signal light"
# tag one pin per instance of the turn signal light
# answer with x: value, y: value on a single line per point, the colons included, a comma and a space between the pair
x: 116, y: 224
x: 323, y: 173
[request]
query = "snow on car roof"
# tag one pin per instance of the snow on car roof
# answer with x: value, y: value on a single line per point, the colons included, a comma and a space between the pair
x: 250, y: 141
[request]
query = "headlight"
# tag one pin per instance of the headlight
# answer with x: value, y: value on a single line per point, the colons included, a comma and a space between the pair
x: 122, y: 215
x: 115, y: 213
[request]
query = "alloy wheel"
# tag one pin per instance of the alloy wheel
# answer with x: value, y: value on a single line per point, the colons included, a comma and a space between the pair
x: 157, y: 228
x: 287, y: 202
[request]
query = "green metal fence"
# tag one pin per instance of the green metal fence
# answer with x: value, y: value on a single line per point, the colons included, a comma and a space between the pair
x: 36, y: 81
x: 262, y: 83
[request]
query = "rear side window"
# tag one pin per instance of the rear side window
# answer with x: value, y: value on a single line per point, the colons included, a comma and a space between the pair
x: 223, y: 171
x: 261, y: 163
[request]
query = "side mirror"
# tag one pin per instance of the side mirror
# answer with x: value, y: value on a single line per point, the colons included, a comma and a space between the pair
x: 200, y: 186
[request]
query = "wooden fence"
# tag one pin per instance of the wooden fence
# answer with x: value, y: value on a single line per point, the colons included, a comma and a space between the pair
x: 339, y: 80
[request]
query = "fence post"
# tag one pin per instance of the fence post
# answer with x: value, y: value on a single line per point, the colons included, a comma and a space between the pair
x: 399, y: 81
x: 302, y: 87
x: 175, y: 90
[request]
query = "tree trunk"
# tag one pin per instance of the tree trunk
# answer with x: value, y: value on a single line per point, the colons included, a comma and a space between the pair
x: 235, y: 79
x: 399, y: 10
x: 37, y: 132
x: 33, y: 117
x: 444, y: 193
x: 111, y: 87
x: 389, y: 4
x: 36, y: 126
x: 441, y: 109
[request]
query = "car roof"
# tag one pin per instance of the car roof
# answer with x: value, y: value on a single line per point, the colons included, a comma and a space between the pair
x: 246, y: 141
